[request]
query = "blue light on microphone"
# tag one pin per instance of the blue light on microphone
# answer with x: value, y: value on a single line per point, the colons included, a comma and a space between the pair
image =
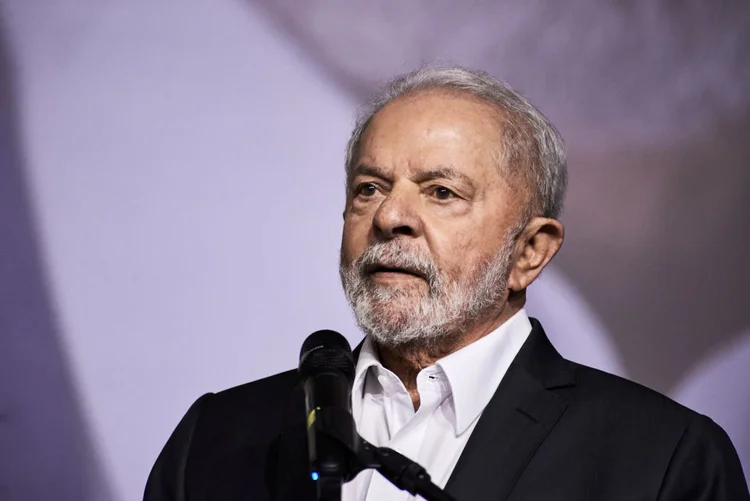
x: 315, y: 475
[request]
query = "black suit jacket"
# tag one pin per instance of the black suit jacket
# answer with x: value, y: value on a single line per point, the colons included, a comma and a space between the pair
x: 554, y: 430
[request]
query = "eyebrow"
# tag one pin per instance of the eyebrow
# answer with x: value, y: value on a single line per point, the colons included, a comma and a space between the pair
x: 439, y: 172
x: 443, y: 172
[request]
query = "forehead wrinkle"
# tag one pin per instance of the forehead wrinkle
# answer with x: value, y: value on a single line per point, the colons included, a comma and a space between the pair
x: 371, y: 169
x: 475, y: 128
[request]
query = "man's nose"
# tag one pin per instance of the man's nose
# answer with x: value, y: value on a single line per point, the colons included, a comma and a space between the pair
x: 399, y: 214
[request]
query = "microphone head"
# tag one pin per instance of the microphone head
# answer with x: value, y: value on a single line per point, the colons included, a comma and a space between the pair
x: 326, y: 350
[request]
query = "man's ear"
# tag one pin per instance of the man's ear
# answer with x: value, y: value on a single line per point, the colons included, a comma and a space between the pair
x: 537, y: 245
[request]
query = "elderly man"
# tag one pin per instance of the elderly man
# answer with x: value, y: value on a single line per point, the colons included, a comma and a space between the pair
x: 454, y: 188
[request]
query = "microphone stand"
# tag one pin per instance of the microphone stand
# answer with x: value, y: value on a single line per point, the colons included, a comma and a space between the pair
x: 355, y: 454
x: 401, y: 471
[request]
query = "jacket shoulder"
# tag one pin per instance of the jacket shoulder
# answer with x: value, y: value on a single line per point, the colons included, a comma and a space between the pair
x: 625, y: 398
x: 272, y: 391
x: 618, y: 407
x: 256, y: 410
x: 230, y: 431
x: 694, y: 455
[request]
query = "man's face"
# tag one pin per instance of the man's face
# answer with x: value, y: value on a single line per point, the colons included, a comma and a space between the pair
x: 429, y: 223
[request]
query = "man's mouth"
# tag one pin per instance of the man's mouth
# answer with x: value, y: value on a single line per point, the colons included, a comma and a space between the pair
x: 383, y: 271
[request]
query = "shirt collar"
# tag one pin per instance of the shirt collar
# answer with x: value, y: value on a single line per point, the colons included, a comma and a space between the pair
x: 473, y: 372
x: 368, y: 357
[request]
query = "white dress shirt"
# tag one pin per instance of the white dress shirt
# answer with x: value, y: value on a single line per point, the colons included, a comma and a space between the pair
x: 453, y: 393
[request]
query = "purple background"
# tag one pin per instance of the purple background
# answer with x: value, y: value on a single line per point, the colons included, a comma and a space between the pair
x: 171, y: 187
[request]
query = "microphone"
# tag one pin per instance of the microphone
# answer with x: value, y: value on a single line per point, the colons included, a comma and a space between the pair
x: 326, y: 369
x: 336, y: 452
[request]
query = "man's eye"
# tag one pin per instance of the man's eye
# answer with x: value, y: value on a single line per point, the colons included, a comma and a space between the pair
x: 366, y: 189
x: 442, y: 193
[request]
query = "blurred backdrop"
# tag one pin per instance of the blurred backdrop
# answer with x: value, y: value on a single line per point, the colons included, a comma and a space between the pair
x: 171, y: 188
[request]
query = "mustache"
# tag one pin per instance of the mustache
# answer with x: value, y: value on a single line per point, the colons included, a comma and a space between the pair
x: 400, y: 255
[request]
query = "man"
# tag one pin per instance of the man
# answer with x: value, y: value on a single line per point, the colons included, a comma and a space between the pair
x: 454, y: 188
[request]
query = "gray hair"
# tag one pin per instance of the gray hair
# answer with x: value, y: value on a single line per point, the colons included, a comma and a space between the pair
x: 530, y: 143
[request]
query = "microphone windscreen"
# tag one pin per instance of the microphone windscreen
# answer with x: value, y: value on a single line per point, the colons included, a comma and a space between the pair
x: 326, y: 350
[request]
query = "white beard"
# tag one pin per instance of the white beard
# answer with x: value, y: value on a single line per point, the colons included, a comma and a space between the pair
x: 405, y: 314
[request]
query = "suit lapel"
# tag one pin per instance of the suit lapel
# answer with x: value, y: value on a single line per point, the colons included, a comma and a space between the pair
x: 516, y: 421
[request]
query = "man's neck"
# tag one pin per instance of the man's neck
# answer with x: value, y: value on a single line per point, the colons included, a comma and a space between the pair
x: 407, y: 361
